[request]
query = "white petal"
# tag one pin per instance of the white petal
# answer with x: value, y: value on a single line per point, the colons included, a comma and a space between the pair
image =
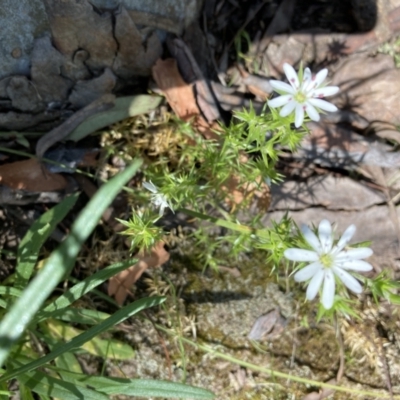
x: 320, y: 77
x: 150, y: 186
x: 346, y: 237
x: 311, y: 238
x: 288, y: 108
x: 325, y: 91
x: 282, y: 86
x: 312, y: 112
x: 354, y: 254
x: 323, y: 105
x: 300, y: 255
x: 306, y: 80
x: 328, y: 292
x: 299, y: 117
x: 307, y: 272
x: 357, y: 265
x: 325, y: 235
x: 280, y: 101
x: 291, y: 75
x: 349, y: 281
x: 315, y: 284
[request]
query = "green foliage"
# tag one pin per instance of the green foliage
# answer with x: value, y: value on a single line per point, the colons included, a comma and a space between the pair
x: 142, y: 231
x: 247, y: 150
x: 32, y: 318
x: 197, y: 182
x: 341, y: 306
x: 382, y: 286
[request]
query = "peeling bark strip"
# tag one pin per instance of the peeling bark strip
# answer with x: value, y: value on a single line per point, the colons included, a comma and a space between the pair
x: 104, y: 103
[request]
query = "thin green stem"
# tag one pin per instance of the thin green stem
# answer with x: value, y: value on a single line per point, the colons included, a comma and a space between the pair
x: 226, y: 224
x: 209, y: 350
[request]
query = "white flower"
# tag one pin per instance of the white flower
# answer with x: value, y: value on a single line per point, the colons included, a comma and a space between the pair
x: 158, y: 199
x: 305, y: 96
x: 329, y: 261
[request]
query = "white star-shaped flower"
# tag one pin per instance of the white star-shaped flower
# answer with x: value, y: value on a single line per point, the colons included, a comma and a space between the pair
x: 303, y: 96
x: 157, y: 198
x: 329, y: 261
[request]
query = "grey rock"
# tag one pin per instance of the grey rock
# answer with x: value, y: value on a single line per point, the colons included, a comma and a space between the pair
x: 21, y: 22
x: 136, y: 53
x: 46, y: 72
x: 85, y: 92
x: 23, y: 94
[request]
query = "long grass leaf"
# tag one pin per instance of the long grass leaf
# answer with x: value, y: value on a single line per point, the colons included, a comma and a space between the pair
x: 137, y: 387
x: 59, y: 263
x: 78, y: 315
x: 41, y: 383
x: 31, y: 243
x: 83, y: 287
x: 78, y: 341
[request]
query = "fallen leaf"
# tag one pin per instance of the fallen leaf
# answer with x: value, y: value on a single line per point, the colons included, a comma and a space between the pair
x: 178, y: 93
x: 32, y: 176
x: 268, y: 326
x: 120, y: 285
x: 192, y: 73
x: 261, y: 194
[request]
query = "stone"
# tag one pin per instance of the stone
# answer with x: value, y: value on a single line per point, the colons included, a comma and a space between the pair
x: 85, y: 92
x: 46, y: 72
x: 23, y: 94
x: 371, y: 86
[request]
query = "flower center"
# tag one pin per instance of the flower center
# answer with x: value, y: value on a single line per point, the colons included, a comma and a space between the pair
x: 300, y: 97
x: 326, y: 260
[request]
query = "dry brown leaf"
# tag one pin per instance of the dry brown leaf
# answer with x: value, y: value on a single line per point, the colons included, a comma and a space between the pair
x: 179, y: 94
x: 32, y: 176
x: 120, y: 285
x: 261, y: 194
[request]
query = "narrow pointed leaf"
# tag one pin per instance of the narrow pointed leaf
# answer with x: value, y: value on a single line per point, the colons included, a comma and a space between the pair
x: 59, y: 264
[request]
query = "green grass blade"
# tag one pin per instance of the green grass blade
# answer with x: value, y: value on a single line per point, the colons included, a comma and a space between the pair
x: 10, y: 291
x: 78, y: 315
x: 28, y: 249
x: 83, y: 287
x: 59, y: 263
x: 116, y: 318
x: 25, y: 392
x: 125, y: 107
x: 139, y: 387
x: 150, y: 388
x: 44, y: 384
x: 106, y: 348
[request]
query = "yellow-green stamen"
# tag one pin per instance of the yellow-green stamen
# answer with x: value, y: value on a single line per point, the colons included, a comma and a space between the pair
x: 326, y: 260
x: 300, y: 97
